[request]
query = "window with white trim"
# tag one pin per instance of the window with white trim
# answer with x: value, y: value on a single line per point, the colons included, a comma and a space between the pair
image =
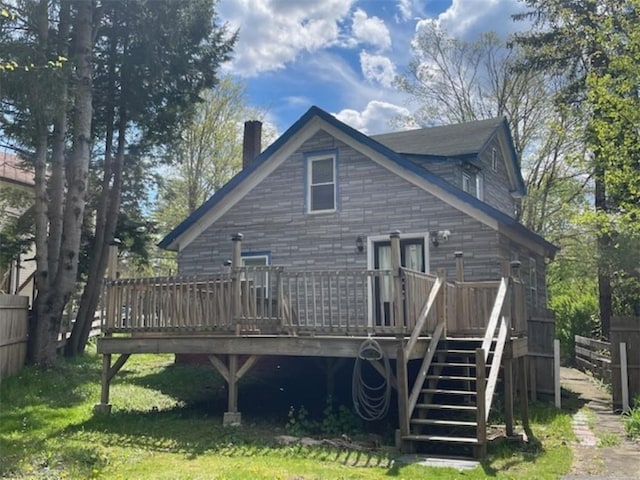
x: 533, y: 281
x: 259, y: 278
x: 466, y: 182
x: 480, y: 186
x: 494, y: 160
x: 321, y: 184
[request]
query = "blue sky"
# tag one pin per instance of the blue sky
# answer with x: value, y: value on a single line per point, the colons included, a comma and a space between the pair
x: 342, y: 55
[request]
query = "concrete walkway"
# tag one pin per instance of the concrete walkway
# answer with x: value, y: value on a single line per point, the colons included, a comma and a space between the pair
x: 602, y: 449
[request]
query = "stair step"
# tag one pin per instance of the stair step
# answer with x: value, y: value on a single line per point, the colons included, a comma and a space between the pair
x: 439, y: 406
x: 440, y: 438
x: 452, y: 423
x: 453, y: 364
x: 451, y: 377
x: 456, y: 351
x: 449, y: 392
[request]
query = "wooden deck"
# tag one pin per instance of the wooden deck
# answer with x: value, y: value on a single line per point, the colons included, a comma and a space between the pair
x: 237, y: 316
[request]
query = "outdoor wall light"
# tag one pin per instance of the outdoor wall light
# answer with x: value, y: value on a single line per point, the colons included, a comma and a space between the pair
x: 360, y: 244
x: 436, y: 236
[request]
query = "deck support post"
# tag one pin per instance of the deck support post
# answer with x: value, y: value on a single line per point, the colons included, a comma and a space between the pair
x: 232, y: 372
x: 108, y: 372
x: 236, y: 264
x: 524, y: 401
x: 104, y: 407
x: 480, y: 450
x: 403, y: 396
x: 398, y: 299
x: 508, y: 396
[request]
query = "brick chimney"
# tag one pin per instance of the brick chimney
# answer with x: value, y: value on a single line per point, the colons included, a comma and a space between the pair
x: 252, y: 143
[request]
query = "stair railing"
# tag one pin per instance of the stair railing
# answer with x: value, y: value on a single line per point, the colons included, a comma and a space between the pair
x: 429, y: 305
x: 496, y: 320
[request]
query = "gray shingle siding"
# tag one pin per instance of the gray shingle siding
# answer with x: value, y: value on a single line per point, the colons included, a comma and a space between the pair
x: 496, y: 184
x: 371, y: 201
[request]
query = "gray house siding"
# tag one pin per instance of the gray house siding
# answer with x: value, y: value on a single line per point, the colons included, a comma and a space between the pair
x: 496, y: 183
x: 371, y: 201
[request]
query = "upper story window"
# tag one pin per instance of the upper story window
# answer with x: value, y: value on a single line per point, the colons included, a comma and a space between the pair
x: 321, y: 183
x: 480, y: 186
x: 494, y: 160
x: 466, y: 182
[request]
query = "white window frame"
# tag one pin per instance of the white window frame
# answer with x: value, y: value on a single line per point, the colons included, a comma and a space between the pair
x: 466, y: 182
x: 267, y: 261
x: 310, y: 185
x: 533, y: 281
x: 480, y: 186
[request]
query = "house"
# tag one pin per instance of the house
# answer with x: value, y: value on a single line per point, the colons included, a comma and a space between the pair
x: 16, y: 189
x: 407, y: 241
x: 323, y: 189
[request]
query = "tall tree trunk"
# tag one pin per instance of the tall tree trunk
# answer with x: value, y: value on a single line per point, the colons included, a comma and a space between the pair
x: 604, y: 271
x: 51, y: 303
x: 106, y: 216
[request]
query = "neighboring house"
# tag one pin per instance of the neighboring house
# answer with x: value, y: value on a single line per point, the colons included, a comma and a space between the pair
x: 17, y: 275
x: 325, y: 196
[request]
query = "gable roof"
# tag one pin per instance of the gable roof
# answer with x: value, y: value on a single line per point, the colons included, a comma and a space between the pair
x: 446, y: 140
x: 399, y: 160
x: 456, y: 141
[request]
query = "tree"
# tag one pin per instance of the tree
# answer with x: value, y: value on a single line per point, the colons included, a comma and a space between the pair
x: 456, y: 81
x: 139, y: 66
x: 590, y: 47
x: 207, y: 155
x: 154, y: 60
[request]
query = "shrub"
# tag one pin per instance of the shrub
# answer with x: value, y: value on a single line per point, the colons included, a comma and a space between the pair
x: 631, y: 420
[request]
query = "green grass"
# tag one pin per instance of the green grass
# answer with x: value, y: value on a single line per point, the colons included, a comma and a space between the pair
x: 166, y: 423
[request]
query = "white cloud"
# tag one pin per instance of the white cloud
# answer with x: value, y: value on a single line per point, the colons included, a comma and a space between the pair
x: 404, y: 10
x: 377, y: 68
x: 370, y: 30
x: 273, y: 33
x: 466, y: 19
x: 377, y: 117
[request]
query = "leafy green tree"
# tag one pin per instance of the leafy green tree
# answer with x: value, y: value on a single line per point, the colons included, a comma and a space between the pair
x: 456, y: 81
x: 153, y: 60
x: 207, y: 155
x: 590, y: 47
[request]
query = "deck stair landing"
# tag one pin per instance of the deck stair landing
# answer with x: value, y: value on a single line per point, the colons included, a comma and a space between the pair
x: 445, y: 418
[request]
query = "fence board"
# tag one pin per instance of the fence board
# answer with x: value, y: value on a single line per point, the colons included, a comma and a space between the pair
x: 540, y: 333
x: 14, y: 312
x: 625, y: 329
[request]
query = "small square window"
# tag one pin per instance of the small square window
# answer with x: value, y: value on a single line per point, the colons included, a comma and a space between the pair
x: 321, y: 194
x: 466, y: 182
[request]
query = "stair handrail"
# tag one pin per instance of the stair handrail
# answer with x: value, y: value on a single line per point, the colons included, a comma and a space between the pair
x: 422, y: 318
x: 498, y: 305
x: 424, y: 368
x: 495, y: 364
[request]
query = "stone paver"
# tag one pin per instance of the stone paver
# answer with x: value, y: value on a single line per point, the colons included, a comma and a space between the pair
x: 596, y: 427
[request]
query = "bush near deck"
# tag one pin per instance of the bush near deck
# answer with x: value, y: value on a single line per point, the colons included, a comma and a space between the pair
x: 166, y: 423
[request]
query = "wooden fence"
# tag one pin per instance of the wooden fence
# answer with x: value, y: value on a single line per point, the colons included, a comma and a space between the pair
x: 14, y: 311
x: 541, y: 333
x: 625, y: 330
x: 594, y: 356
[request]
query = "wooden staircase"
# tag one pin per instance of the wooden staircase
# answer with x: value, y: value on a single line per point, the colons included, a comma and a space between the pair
x: 446, y: 419
x: 448, y: 405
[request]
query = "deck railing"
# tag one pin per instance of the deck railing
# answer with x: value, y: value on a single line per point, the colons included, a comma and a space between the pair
x: 273, y: 300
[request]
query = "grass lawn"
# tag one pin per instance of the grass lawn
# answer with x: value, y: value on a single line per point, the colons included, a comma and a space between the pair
x: 167, y: 424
